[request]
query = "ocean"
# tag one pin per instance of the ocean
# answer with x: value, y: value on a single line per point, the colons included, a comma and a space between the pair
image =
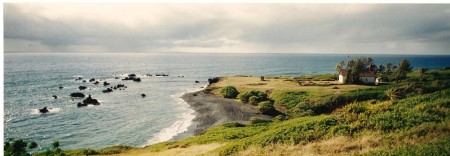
x: 124, y: 117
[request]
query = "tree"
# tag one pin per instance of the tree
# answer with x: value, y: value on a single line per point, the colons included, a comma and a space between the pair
x: 339, y: 66
x: 18, y: 147
x: 357, y: 68
x: 422, y: 72
x: 381, y: 68
x: 229, y: 92
x: 389, y: 68
x: 403, y: 68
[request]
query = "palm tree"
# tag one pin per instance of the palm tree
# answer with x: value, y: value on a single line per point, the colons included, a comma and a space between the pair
x: 394, y: 93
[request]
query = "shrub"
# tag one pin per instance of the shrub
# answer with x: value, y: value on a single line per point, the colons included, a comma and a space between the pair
x: 233, y: 124
x: 108, y: 150
x: 329, y: 104
x: 229, y: 92
x: 436, y: 83
x: 289, y: 99
x: 255, y: 120
x: 18, y: 147
x: 302, y: 109
x: 253, y: 100
x: 245, y: 96
x: 281, y: 118
x: 265, y: 107
x: 357, y: 109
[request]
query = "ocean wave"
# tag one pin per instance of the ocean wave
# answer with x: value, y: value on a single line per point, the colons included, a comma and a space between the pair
x: 181, y: 125
x: 50, y: 110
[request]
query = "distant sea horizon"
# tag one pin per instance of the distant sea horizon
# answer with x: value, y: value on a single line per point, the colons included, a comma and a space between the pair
x: 124, y: 117
x: 313, y: 53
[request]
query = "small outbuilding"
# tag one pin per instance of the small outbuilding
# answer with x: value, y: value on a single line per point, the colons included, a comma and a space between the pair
x: 367, y: 77
x: 343, y: 76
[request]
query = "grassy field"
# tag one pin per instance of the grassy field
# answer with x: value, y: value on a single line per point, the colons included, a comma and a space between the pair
x: 280, y: 84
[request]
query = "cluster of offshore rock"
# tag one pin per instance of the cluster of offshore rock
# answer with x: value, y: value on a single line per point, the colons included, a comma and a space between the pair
x: 132, y: 77
x: 88, y: 101
x: 111, y: 88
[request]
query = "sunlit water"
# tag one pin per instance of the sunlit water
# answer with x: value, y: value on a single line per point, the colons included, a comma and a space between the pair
x: 124, y: 117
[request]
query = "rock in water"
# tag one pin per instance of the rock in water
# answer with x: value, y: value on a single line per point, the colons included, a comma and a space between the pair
x: 43, y: 110
x: 109, y: 90
x: 77, y: 94
x: 137, y: 79
x: 82, y: 87
x: 90, y: 100
x: 143, y: 95
x: 81, y: 104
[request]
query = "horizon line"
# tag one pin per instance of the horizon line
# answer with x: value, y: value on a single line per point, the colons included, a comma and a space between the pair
x: 325, y: 53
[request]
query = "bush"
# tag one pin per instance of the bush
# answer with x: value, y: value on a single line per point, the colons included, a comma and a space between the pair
x: 281, y: 118
x: 436, y: 83
x: 254, y: 100
x: 18, y: 147
x: 289, y: 99
x: 245, y: 96
x: 255, y: 120
x: 229, y: 92
x: 108, y: 150
x: 357, y: 109
x: 266, y: 107
x: 233, y: 124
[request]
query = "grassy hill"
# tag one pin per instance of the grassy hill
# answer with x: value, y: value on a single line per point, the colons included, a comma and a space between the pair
x: 324, y: 118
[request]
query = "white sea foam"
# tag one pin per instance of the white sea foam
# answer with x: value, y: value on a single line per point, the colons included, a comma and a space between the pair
x: 50, y: 110
x: 181, y: 125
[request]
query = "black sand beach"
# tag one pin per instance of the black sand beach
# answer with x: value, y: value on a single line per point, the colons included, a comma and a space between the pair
x: 213, y: 110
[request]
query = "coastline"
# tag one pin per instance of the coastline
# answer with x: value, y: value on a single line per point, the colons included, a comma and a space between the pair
x: 211, y: 110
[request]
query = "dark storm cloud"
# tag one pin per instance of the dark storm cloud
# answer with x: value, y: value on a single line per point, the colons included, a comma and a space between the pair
x: 339, y: 28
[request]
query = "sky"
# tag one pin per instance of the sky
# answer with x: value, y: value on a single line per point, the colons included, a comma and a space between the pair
x: 227, y: 28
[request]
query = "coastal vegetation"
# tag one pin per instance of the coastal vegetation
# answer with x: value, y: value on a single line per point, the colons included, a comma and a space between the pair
x: 229, y: 92
x: 396, y: 118
x: 366, y: 113
x: 18, y: 147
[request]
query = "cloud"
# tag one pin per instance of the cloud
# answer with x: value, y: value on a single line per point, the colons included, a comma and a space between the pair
x: 303, y: 28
